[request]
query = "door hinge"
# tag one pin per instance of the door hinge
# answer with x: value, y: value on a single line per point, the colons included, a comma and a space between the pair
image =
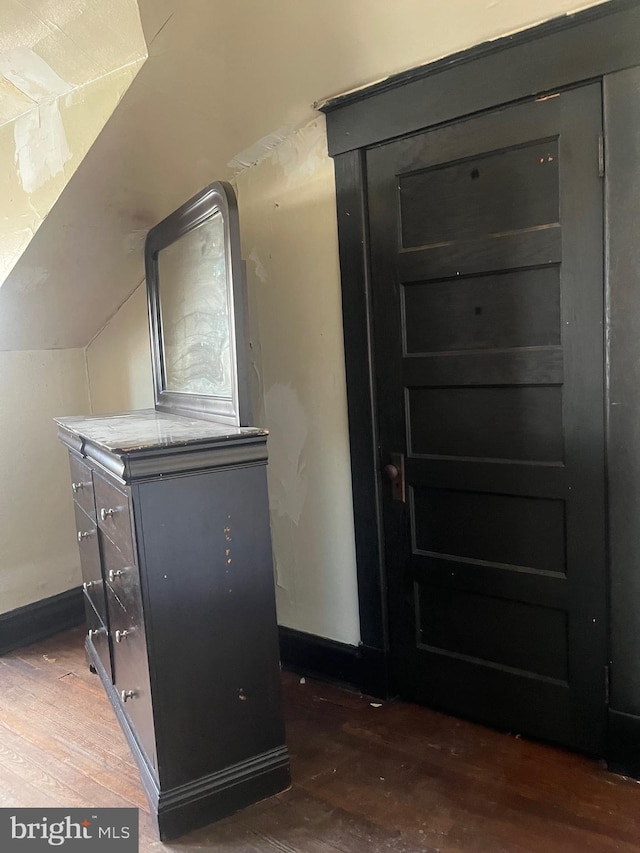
x: 607, y: 678
x: 601, y: 155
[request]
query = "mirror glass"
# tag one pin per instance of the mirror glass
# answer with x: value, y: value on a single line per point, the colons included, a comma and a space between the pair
x: 196, y: 295
x: 193, y: 285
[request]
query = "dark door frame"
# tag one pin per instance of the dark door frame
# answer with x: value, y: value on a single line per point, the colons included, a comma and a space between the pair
x: 601, y: 43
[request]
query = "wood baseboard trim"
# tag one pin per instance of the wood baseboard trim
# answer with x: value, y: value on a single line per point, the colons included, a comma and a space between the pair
x: 361, y: 668
x: 623, y: 744
x: 33, y: 622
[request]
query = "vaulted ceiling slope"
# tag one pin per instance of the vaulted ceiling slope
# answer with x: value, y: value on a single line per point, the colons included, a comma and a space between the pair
x: 64, y: 64
x: 224, y: 80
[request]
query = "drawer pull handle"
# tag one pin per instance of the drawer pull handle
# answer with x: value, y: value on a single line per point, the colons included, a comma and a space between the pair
x: 87, y: 585
x: 94, y: 632
x: 76, y: 487
x: 84, y: 534
x: 121, y: 635
x: 106, y: 513
x: 127, y: 694
x: 114, y: 573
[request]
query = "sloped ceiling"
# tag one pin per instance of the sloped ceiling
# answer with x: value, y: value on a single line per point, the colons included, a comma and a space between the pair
x: 223, y: 77
x: 63, y: 67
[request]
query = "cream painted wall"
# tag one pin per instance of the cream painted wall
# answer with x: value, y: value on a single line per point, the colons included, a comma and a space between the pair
x: 289, y: 237
x: 64, y: 66
x: 38, y: 551
x: 282, y: 56
x: 119, y: 360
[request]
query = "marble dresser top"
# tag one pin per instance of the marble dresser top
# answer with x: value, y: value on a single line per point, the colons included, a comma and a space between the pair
x: 147, y: 428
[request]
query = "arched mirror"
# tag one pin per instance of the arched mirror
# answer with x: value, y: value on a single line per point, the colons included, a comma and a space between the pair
x: 197, y: 309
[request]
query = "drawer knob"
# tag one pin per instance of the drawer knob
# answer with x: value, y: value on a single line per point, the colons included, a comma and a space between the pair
x: 83, y: 534
x: 76, y: 487
x: 106, y: 513
x: 121, y: 635
x: 112, y: 574
x: 127, y: 694
x: 94, y: 632
x: 87, y: 585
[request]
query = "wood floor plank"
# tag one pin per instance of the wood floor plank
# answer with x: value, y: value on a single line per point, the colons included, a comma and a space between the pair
x: 86, y: 738
x: 86, y: 779
x: 389, y: 779
x: 21, y: 792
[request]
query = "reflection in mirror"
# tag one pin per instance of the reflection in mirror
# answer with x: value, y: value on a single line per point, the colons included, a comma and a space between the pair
x: 194, y: 312
x: 196, y: 294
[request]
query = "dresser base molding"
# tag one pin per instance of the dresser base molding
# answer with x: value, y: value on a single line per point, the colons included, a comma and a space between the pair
x: 177, y: 811
x: 223, y: 793
x: 42, y: 619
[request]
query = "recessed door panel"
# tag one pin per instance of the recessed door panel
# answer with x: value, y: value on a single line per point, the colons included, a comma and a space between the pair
x: 508, y: 422
x: 518, y: 308
x: 506, y: 190
x: 509, y: 530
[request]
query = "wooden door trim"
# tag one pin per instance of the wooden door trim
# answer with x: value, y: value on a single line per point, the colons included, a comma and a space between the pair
x: 356, y: 311
x: 604, y: 38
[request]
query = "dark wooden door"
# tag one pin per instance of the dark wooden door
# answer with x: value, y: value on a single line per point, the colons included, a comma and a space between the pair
x: 487, y: 280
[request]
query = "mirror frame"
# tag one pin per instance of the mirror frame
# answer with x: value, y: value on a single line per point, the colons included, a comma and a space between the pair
x: 218, y: 197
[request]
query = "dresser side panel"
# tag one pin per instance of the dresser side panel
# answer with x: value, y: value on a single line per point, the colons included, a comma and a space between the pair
x: 208, y: 590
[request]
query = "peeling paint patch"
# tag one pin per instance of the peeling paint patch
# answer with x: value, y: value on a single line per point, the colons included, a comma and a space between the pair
x: 29, y: 73
x: 276, y: 573
x: 252, y: 155
x: 257, y: 394
x: 288, y: 427
x: 284, y: 560
x: 300, y: 153
x: 303, y: 152
x: 41, y: 145
x: 258, y: 265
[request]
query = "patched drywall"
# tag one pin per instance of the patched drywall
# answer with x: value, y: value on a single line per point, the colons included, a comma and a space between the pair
x: 289, y: 433
x: 288, y: 227
x: 42, y: 148
x: 38, y: 551
x: 57, y: 63
x: 41, y: 144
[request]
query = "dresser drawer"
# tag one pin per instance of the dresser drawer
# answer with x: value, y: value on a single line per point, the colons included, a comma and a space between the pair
x: 112, y: 508
x: 82, y: 485
x: 122, y: 577
x: 131, y: 672
x: 87, y: 534
x: 98, y: 636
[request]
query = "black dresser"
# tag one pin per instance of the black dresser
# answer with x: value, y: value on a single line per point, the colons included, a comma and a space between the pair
x: 173, y: 529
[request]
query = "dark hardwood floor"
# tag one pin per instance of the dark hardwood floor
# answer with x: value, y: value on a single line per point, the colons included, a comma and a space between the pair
x: 397, y: 778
